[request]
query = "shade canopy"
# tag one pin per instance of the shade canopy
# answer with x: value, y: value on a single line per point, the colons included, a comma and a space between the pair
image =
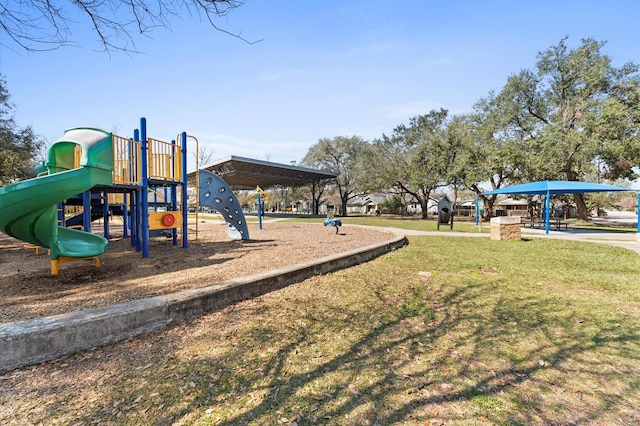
x: 556, y: 187
x: 247, y: 173
x: 549, y: 187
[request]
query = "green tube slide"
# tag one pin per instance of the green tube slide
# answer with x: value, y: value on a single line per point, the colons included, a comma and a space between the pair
x: 28, y: 209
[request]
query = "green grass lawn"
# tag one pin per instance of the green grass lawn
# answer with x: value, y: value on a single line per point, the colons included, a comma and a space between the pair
x: 413, y: 224
x: 444, y: 331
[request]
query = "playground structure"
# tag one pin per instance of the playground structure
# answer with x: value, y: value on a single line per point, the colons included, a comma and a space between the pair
x: 216, y: 194
x: 259, y: 196
x: 108, y: 173
x: 331, y: 221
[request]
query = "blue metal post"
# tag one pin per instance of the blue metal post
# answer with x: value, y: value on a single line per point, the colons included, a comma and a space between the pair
x: 105, y: 213
x: 259, y: 211
x: 86, y: 212
x: 185, y: 196
x: 135, y: 221
x: 638, y: 226
x: 144, y: 189
x: 140, y: 213
x: 61, y: 219
x: 125, y: 218
x: 173, y: 196
x: 547, y: 208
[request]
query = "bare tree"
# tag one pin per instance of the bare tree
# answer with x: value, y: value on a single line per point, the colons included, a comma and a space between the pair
x: 205, y: 155
x: 39, y: 25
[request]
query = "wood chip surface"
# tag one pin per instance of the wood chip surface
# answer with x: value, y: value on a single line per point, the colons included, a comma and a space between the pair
x: 28, y: 290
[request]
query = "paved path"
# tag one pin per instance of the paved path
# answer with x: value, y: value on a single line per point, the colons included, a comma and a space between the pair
x: 619, y: 239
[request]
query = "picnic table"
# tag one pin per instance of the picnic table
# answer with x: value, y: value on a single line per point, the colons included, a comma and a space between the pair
x: 556, y: 222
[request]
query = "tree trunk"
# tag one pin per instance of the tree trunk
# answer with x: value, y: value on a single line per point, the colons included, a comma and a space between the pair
x: 581, y: 207
x: 424, y: 203
x: 488, y: 206
x: 315, y: 198
x: 343, y: 208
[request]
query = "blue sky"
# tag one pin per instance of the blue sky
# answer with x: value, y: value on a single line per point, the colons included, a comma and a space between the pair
x: 324, y: 69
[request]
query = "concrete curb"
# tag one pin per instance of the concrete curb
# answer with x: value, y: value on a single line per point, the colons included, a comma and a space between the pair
x: 33, y: 341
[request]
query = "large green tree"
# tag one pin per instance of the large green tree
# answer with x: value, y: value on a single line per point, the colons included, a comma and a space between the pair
x: 490, y: 153
x: 417, y: 158
x: 458, y: 136
x: 342, y: 155
x: 18, y: 145
x: 573, y: 111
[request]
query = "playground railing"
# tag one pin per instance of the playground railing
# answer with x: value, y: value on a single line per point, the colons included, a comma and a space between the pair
x: 126, y: 161
x: 165, y: 160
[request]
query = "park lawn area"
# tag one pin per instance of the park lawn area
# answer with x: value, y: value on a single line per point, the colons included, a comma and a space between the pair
x: 446, y: 331
x: 410, y: 223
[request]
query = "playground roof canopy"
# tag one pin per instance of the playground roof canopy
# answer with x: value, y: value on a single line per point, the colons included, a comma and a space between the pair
x: 556, y: 187
x: 247, y: 173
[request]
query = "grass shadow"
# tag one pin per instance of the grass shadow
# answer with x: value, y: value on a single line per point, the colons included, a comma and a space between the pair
x: 479, y: 338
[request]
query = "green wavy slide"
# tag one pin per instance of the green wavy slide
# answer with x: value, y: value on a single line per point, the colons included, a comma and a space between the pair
x: 28, y: 209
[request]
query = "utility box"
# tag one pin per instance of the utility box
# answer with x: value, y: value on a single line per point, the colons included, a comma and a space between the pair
x: 505, y: 228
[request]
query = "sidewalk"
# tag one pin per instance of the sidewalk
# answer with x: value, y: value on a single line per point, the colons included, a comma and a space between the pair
x: 618, y: 239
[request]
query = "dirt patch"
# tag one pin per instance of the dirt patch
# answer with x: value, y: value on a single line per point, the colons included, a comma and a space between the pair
x: 28, y: 290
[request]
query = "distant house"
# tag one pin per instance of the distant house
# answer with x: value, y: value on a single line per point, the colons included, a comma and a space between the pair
x: 305, y: 207
x: 510, y: 207
x: 435, y: 203
x: 503, y: 207
x: 366, y: 204
x: 466, y: 208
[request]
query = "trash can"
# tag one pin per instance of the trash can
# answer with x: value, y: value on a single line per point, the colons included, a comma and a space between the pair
x: 444, y: 215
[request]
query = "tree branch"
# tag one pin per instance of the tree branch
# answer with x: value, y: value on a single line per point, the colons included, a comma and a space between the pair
x: 40, y: 25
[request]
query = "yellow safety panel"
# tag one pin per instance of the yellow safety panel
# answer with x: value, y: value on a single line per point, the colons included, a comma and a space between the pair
x: 77, y: 156
x: 165, y: 160
x: 165, y: 220
x: 126, y: 161
x: 116, y: 198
